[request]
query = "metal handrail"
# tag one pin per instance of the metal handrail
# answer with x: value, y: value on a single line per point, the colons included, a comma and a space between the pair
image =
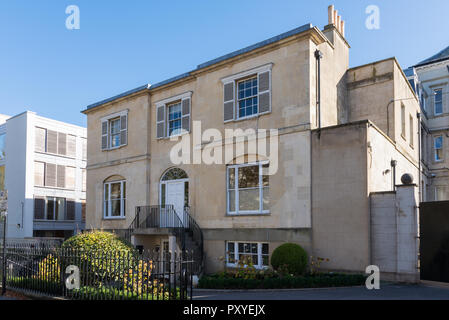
x: 167, y: 217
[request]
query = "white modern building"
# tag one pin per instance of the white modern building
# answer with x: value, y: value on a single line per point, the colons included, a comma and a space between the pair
x: 42, y: 165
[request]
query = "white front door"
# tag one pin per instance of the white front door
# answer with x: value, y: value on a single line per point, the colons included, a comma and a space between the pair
x: 175, y: 197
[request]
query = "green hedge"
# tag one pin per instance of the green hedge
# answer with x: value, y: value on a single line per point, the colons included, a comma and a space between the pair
x: 315, y: 281
x: 291, y: 257
x: 48, y: 286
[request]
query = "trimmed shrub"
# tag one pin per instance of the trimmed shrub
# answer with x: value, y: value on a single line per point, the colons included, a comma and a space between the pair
x: 290, y: 258
x: 309, y: 281
x: 101, y: 256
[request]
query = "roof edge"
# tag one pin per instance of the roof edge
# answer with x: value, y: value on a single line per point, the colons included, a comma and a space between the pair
x: 121, y: 95
x: 298, y: 30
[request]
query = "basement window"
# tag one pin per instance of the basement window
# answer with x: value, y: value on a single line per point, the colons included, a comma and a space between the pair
x: 249, y: 253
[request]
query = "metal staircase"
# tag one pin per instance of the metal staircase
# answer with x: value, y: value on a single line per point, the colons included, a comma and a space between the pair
x: 189, y: 235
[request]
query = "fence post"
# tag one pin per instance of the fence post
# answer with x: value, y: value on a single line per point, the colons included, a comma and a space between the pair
x: 4, y: 256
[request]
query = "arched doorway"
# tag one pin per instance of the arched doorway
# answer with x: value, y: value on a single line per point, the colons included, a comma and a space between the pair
x: 174, y: 190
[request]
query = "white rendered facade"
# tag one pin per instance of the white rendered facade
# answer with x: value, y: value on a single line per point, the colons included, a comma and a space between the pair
x: 46, y: 186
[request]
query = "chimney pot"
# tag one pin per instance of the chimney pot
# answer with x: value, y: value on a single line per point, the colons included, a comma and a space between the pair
x: 330, y: 12
x: 342, y: 28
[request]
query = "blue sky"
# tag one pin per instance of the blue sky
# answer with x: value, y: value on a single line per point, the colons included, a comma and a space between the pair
x: 124, y: 44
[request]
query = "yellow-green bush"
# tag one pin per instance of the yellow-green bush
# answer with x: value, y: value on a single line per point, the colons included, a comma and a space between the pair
x: 138, y: 280
x: 49, y: 269
x: 102, y: 256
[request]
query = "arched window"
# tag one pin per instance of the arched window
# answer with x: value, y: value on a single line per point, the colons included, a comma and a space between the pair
x: 114, y: 191
x: 174, y: 174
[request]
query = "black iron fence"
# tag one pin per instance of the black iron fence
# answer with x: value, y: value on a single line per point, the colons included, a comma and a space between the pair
x: 74, y: 274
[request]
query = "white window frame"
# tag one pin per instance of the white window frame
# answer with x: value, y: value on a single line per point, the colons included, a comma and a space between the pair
x: 241, y: 76
x: 237, y: 98
x: 435, y: 148
x: 112, y: 135
x: 168, y: 106
x: 109, y: 119
x: 238, y: 212
x: 435, y: 102
x: 55, y: 199
x: 166, y: 103
x: 107, y: 215
x: 237, y: 254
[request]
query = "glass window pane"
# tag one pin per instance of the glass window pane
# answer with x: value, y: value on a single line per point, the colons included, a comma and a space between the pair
x: 266, y: 199
x: 175, y: 174
x: 249, y: 200
x: 438, y: 143
x: 266, y: 177
x: 60, y: 209
x: 2, y: 146
x: 115, y: 126
x: 115, y: 140
x: 255, y: 260
x: 106, y: 208
x: 186, y: 194
x: 231, y: 246
x: 254, y: 248
x: 115, y: 191
x: 50, y: 208
x: 106, y: 192
x: 265, y: 248
x: 241, y: 247
x: 231, y: 199
x: 265, y: 260
x: 231, y: 178
x: 248, y: 177
x: 163, y: 186
x: 115, y: 208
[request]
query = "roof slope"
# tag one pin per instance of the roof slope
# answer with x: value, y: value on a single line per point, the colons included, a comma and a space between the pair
x: 260, y: 44
x: 440, y: 56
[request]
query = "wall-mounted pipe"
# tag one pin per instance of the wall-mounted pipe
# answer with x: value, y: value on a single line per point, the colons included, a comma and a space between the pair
x: 393, y: 164
x: 318, y: 57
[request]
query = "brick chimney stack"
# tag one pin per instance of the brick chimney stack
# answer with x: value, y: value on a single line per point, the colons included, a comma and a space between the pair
x: 336, y: 20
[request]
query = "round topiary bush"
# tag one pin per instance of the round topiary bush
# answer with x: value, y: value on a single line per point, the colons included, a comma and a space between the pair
x: 289, y: 257
x: 99, y: 255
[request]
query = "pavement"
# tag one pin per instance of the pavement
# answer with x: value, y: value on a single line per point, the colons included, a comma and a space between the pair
x: 386, y: 292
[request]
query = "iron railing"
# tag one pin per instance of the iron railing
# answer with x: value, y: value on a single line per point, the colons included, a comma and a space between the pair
x: 80, y: 275
x: 179, y: 225
x: 196, y: 234
x: 159, y: 217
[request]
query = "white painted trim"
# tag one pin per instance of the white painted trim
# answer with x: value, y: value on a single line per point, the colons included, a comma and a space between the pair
x: 260, y: 69
x: 259, y: 265
x: 182, y: 96
x: 236, y: 189
x: 106, y: 215
x: 115, y: 115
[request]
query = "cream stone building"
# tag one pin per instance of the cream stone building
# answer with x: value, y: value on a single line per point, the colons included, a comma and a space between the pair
x: 338, y: 136
x: 430, y: 79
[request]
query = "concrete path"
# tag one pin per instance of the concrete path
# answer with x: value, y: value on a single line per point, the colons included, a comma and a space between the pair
x: 386, y: 292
